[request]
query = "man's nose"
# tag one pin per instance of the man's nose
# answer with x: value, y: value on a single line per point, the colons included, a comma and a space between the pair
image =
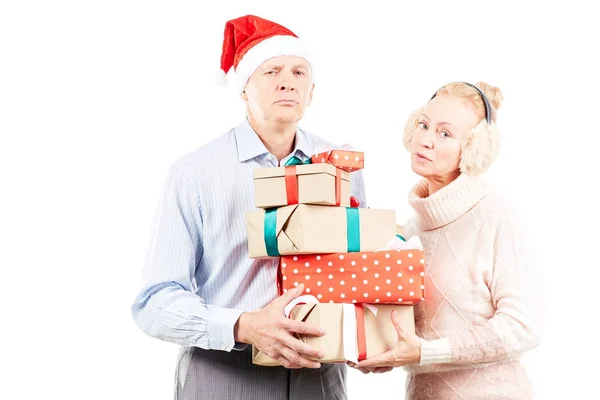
x: 286, y: 86
x: 286, y: 82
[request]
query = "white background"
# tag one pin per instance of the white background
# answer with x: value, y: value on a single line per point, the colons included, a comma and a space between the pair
x: 98, y: 98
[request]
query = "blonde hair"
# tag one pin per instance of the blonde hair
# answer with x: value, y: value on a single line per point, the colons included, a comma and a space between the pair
x: 481, y: 144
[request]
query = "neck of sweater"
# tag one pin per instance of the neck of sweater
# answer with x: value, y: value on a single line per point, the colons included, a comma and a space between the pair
x: 448, y: 203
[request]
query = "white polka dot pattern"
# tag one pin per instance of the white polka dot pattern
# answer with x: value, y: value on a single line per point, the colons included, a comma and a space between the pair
x: 342, y: 159
x: 385, y: 277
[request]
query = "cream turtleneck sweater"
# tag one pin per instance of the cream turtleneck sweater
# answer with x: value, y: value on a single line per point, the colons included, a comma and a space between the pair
x: 482, y: 307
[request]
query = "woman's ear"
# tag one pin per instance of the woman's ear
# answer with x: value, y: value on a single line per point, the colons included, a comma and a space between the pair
x: 479, y: 149
x: 410, y: 127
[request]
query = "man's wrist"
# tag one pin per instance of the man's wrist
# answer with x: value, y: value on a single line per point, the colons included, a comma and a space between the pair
x: 238, y: 329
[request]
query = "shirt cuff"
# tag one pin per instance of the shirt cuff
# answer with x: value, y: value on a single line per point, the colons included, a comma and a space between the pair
x: 220, y: 329
x: 435, y: 351
x: 240, y: 346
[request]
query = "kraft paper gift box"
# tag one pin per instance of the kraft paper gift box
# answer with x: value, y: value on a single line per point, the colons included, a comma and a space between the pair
x: 384, y: 276
x: 353, y: 332
x: 321, y: 184
x: 309, y: 229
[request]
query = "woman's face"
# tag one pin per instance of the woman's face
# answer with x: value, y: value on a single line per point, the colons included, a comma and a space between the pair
x: 436, y: 144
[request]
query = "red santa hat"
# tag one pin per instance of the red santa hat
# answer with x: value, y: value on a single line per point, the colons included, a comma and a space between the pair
x: 250, y: 40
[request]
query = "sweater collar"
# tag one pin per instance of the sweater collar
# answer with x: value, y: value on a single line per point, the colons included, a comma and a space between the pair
x: 447, y: 204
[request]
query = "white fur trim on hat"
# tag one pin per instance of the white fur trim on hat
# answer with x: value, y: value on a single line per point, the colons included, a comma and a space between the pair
x: 280, y: 45
x: 221, y: 78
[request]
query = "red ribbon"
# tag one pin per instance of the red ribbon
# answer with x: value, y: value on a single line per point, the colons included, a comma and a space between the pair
x: 279, y: 279
x: 291, y: 185
x: 361, y: 332
x: 338, y: 186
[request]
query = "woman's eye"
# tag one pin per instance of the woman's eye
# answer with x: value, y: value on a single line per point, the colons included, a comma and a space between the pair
x: 445, y: 134
x: 421, y: 125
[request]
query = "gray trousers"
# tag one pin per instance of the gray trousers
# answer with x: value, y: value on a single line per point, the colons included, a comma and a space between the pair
x: 219, y: 375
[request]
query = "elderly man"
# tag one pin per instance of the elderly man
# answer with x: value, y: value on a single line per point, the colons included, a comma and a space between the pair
x: 200, y: 290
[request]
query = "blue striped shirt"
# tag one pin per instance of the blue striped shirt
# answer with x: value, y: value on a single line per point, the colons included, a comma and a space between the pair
x: 198, y: 278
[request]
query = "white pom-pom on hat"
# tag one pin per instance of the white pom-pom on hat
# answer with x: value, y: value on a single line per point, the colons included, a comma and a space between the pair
x: 221, y: 78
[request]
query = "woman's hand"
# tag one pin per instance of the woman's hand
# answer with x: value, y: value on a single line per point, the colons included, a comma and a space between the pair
x: 406, y: 351
x: 369, y: 370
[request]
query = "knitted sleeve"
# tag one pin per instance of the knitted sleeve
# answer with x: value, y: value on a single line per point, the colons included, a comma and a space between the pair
x: 515, y: 290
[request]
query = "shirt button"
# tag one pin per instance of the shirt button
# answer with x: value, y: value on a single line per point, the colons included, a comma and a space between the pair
x: 223, y: 347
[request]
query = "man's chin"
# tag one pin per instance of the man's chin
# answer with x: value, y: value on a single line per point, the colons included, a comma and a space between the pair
x: 287, y: 117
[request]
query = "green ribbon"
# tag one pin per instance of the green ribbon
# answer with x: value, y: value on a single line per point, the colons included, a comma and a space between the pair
x: 399, y: 236
x: 296, y: 161
x: 352, y: 230
x: 270, y: 232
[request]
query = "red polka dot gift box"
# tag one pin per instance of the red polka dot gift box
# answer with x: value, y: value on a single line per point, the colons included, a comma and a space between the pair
x: 384, y: 276
x: 344, y: 158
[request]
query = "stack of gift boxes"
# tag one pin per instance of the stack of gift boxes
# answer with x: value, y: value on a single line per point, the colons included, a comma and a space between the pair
x: 339, y: 251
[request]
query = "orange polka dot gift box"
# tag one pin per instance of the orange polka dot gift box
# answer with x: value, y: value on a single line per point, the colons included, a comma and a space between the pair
x: 344, y: 158
x: 393, y: 275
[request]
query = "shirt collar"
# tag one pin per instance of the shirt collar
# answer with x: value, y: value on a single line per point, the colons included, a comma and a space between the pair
x: 250, y: 146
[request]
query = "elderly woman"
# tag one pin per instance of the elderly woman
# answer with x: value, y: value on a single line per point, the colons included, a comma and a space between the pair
x: 482, y: 309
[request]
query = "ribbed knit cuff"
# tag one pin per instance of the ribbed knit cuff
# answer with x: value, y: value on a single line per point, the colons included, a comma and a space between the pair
x: 435, y: 352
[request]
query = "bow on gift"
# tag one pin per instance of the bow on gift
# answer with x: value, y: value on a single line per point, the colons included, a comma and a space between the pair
x: 353, y: 325
x: 291, y: 181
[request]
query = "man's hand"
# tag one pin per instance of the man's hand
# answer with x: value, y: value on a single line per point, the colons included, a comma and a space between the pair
x: 271, y: 331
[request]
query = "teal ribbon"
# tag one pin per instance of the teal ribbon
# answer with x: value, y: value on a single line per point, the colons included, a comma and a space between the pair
x: 296, y: 161
x: 399, y: 236
x: 353, y: 229
x: 270, y: 226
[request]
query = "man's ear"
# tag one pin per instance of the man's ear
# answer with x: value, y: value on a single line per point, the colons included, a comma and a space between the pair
x: 310, y: 95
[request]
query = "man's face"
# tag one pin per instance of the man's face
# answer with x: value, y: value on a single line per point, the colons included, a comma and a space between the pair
x: 279, y: 90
